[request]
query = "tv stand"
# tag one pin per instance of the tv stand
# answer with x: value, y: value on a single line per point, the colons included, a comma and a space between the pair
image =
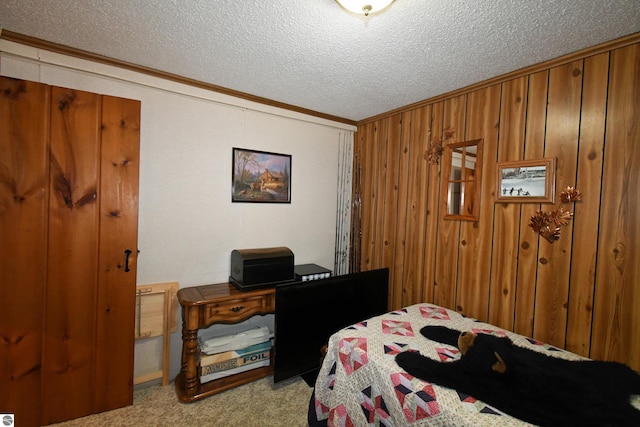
x: 203, y: 306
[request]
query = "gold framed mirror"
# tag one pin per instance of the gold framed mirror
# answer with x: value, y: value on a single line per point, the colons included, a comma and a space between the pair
x: 461, y: 180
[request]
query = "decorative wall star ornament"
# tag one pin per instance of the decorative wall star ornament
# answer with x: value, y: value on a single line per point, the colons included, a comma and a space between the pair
x: 570, y: 194
x: 560, y: 217
x: 435, y: 152
x: 548, y: 224
x: 436, y: 148
x: 543, y: 224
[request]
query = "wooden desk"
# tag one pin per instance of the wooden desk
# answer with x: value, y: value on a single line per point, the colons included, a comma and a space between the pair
x: 203, y: 306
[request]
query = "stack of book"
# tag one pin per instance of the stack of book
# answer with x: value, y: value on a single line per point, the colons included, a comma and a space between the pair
x: 232, y: 354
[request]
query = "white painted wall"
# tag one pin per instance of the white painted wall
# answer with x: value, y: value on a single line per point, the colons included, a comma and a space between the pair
x: 187, y: 223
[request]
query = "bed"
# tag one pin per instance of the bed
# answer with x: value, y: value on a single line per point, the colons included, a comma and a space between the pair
x: 360, y: 383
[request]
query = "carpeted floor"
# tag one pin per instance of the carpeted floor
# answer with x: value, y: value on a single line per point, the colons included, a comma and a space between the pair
x: 259, y: 403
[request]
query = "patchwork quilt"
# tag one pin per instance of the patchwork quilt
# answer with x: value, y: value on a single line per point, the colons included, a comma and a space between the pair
x: 360, y: 384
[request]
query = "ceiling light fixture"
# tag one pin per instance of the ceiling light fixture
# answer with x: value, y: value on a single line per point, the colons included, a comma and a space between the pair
x: 364, y: 7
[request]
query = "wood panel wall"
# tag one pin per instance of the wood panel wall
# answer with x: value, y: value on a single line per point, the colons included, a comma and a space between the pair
x: 582, y: 292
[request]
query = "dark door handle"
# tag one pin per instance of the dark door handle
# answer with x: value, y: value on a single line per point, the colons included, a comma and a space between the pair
x: 127, y: 253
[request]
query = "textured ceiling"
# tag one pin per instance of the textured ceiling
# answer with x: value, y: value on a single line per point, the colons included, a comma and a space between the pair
x: 313, y: 54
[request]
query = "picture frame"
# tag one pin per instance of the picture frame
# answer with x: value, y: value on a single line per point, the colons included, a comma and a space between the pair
x: 260, y: 176
x: 526, y: 181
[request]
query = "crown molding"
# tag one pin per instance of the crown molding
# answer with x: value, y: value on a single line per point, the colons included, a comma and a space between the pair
x: 78, y: 53
x: 561, y: 60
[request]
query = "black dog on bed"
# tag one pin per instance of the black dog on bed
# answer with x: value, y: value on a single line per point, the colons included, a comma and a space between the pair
x: 528, y: 385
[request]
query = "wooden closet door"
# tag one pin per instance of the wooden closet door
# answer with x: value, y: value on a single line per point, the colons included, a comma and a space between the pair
x: 24, y: 130
x: 69, y: 163
x: 89, y: 327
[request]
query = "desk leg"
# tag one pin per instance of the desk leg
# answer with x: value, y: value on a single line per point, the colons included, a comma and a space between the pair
x: 189, y: 370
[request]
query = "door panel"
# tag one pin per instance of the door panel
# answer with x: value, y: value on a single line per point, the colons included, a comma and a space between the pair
x: 117, y: 272
x: 70, y: 334
x: 69, y: 164
x: 24, y: 129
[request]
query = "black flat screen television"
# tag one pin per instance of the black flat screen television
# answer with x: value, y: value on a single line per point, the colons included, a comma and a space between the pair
x: 308, y: 313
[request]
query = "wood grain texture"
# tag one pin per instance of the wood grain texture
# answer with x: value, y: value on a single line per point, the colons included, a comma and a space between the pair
x: 388, y: 218
x: 401, y: 213
x: 506, y: 216
x: 529, y: 242
x: 379, y: 177
x: 72, y: 275
x: 56, y: 358
x: 119, y: 168
x: 616, y: 321
x: 366, y: 150
x: 587, y: 211
x: 449, y: 231
x: 579, y: 293
x: 416, y: 208
x: 474, y: 268
x: 434, y: 114
x: 24, y: 129
x: 561, y: 142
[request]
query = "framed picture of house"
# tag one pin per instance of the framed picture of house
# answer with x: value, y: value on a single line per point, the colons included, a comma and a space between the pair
x: 260, y: 177
x: 526, y: 181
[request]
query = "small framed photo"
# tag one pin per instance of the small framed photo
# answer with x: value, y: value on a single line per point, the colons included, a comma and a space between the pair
x: 260, y: 177
x: 526, y: 181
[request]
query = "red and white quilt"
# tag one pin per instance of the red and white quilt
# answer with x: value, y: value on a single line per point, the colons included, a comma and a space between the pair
x: 361, y: 385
